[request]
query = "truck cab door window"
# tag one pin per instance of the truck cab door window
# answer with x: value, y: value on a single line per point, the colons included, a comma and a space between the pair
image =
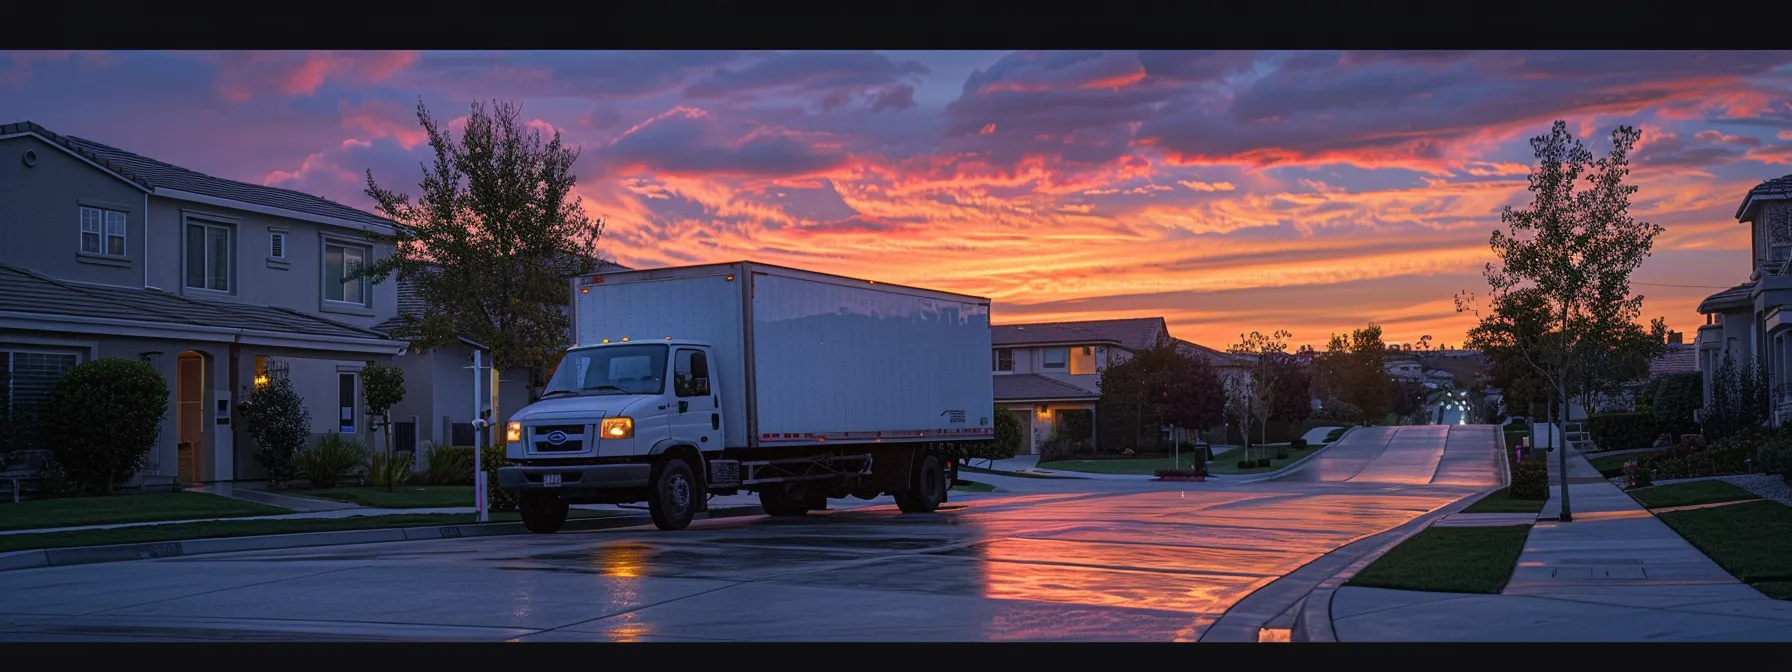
x: 691, y: 373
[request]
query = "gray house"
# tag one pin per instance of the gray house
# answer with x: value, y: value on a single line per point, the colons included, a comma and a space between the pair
x: 214, y: 282
x: 1751, y: 321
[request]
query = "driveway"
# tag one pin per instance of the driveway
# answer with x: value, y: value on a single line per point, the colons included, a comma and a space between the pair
x: 1040, y: 559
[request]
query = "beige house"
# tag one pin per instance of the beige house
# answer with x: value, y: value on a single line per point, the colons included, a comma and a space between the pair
x: 1046, y: 370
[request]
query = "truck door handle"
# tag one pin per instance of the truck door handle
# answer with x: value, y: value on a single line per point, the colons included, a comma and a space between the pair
x: 715, y: 421
x: 684, y: 406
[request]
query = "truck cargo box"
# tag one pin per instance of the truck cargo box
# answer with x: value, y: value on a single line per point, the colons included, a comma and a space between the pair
x: 807, y: 358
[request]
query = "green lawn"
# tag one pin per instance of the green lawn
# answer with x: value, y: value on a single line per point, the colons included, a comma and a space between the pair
x: 1228, y: 464
x: 1449, y: 560
x: 248, y: 528
x: 401, y: 497
x: 973, y: 486
x: 1612, y: 466
x: 79, y: 511
x: 1752, y: 541
x: 1501, y: 501
x: 1139, y: 466
x: 1688, y: 494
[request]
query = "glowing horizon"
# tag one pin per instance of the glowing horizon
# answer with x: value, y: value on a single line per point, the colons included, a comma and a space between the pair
x: 1226, y: 192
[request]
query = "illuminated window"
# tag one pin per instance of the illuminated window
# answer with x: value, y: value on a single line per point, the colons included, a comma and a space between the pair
x: 1082, y: 361
x: 102, y: 232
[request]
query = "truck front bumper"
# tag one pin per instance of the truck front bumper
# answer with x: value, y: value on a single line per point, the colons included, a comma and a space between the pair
x: 581, y: 477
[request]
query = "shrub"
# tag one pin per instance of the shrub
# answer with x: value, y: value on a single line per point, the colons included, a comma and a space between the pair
x: 448, y: 465
x: 280, y: 425
x: 1676, y: 396
x: 1263, y: 461
x: 105, y: 416
x: 1530, y: 481
x: 333, y: 458
x: 1723, y: 458
x: 1622, y: 431
x: 1247, y: 464
x: 1774, y: 456
x: 1281, y: 452
x: 1058, y: 448
x: 489, y: 460
x: 390, y: 470
x: 1076, y: 425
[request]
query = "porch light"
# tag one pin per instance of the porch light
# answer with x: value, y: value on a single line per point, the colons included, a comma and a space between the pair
x: 261, y: 379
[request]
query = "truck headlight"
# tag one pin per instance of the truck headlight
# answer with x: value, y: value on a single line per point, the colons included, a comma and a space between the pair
x: 513, y: 432
x: 617, y: 428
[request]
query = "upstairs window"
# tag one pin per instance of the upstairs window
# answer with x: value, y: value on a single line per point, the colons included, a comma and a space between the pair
x: 277, y: 245
x: 1004, y: 360
x: 1057, y: 358
x: 208, y: 256
x: 340, y: 284
x: 1082, y: 360
x: 102, y: 231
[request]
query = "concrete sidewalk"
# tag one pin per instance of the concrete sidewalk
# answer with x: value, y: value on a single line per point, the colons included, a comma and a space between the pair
x: 1614, y: 574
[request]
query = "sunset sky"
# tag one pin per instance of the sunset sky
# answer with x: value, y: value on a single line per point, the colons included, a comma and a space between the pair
x: 1225, y: 191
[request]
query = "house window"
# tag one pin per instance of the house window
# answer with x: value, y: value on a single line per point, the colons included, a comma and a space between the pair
x: 208, y: 256
x: 1082, y: 361
x: 1004, y: 360
x: 347, y: 390
x: 26, y: 379
x: 277, y: 245
x: 1057, y: 358
x: 340, y: 264
x: 102, y: 231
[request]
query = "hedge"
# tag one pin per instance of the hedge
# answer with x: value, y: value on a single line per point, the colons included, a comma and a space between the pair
x: 1622, y: 431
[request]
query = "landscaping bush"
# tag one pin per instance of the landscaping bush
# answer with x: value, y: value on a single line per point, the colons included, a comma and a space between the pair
x: 331, y: 460
x: 280, y: 425
x: 1076, y: 425
x: 1281, y: 452
x: 390, y: 470
x: 1637, y: 476
x: 448, y: 465
x: 1622, y: 431
x: 105, y: 416
x: 1676, y: 396
x: 490, y: 460
x: 1774, y: 456
x: 1724, y: 458
x: 1263, y: 462
x: 1530, y: 481
x: 1247, y: 464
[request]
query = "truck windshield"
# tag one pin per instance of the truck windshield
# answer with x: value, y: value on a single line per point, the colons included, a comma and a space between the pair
x: 610, y: 370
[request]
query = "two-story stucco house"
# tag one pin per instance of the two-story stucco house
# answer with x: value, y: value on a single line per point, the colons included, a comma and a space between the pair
x: 215, y: 283
x: 1043, y: 370
x: 1751, y: 321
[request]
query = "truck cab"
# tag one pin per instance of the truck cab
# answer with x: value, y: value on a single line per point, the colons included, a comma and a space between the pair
x: 610, y: 419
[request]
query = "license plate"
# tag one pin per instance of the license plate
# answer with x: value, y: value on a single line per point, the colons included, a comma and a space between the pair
x: 550, y: 480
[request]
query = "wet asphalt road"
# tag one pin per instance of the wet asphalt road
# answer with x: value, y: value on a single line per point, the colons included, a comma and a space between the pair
x: 1057, y: 560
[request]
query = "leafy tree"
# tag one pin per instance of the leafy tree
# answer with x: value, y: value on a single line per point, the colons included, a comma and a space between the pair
x: 1294, y: 386
x: 382, y: 387
x: 1576, y: 245
x: 1676, y: 396
x: 280, y: 425
x: 106, y: 415
x: 1407, y: 397
x: 492, y: 239
x: 1351, y: 375
x: 1516, y: 331
x: 1608, y: 363
x: 1154, y: 387
x: 1740, y: 400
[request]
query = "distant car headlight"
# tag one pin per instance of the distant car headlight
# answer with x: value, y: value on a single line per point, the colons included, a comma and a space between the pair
x: 617, y: 428
x: 513, y: 432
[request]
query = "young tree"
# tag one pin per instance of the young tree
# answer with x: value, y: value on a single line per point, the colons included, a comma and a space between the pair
x: 1263, y: 390
x: 1516, y: 331
x: 1608, y: 363
x: 1155, y: 387
x: 382, y: 387
x: 1576, y: 244
x: 492, y: 239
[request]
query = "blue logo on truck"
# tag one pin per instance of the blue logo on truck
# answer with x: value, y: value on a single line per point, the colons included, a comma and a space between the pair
x: 556, y: 437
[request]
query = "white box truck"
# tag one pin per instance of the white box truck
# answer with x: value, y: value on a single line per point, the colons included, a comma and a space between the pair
x: 686, y: 383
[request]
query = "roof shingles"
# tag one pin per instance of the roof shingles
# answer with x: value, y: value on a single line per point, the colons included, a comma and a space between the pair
x: 22, y: 291
x: 1034, y: 387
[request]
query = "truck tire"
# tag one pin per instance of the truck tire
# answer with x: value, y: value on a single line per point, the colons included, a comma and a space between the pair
x: 674, y: 499
x: 927, y: 487
x: 543, y: 513
x: 777, y: 501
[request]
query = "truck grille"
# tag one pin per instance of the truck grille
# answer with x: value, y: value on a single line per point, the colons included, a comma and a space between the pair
x: 558, y: 438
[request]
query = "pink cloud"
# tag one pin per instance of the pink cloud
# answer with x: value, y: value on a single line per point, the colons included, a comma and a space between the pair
x: 243, y: 75
x: 384, y: 119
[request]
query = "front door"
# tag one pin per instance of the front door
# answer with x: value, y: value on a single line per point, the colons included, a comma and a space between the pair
x: 1029, y: 444
x: 190, y: 416
x: 698, y: 417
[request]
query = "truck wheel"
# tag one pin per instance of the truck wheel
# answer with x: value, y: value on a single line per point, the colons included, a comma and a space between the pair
x: 675, y: 495
x: 927, y: 488
x: 543, y: 513
x: 777, y: 501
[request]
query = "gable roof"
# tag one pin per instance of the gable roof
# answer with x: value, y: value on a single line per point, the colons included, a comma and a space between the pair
x: 1034, y: 387
x: 29, y: 293
x: 1680, y: 358
x: 168, y: 180
x: 1730, y: 298
x: 1132, y: 334
x: 1774, y: 189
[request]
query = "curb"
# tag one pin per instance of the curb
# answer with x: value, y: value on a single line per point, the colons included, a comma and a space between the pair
x: 1015, y: 474
x: 1289, y: 469
x: 1313, y: 622
x: 87, y: 555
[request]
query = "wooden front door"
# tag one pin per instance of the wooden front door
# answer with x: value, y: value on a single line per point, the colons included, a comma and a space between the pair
x: 190, y: 415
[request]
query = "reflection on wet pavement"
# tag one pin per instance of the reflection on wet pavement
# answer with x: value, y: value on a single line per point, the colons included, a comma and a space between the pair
x: 1059, y: 560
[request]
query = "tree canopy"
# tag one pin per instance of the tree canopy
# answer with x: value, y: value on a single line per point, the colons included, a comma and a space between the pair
x: 1154, y: 387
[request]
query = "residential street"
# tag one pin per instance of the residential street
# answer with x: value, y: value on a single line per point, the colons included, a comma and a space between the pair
x: 1096, y: 559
